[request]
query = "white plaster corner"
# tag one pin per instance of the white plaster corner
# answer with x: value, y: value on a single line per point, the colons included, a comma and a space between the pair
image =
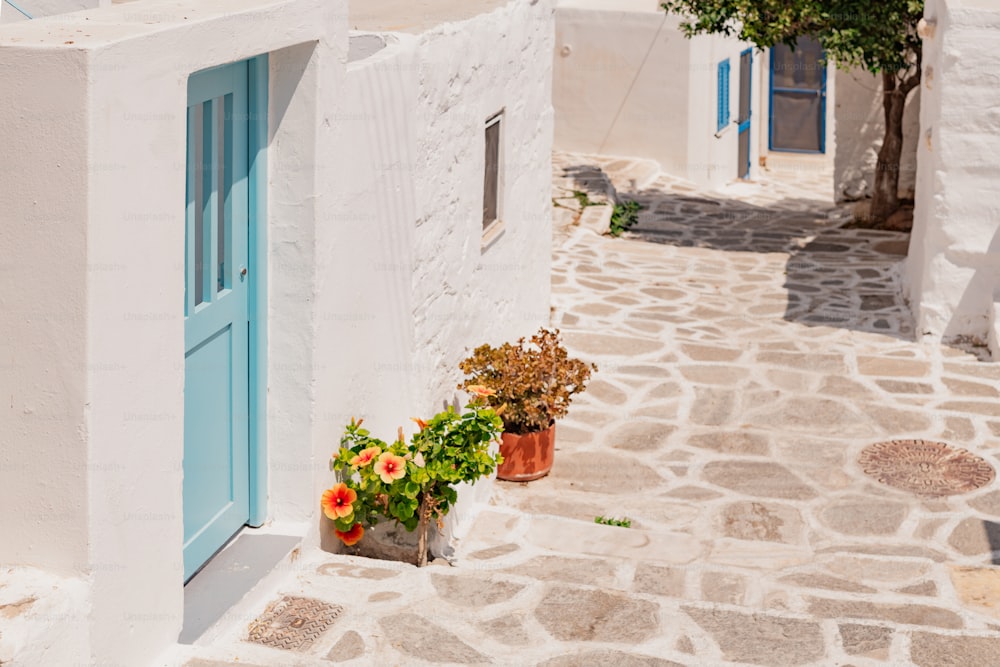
x: 994, y: 328
x: 43, y: 618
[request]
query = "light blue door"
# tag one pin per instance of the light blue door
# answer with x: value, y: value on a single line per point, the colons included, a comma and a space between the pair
x: 743, y: 115
x: 216, y: 303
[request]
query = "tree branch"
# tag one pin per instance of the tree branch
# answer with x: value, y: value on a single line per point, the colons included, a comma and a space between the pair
x: 913, y: 80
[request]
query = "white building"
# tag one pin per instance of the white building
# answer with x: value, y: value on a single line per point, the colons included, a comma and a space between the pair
x: 628, y: 82
x: 953, y: 268
x: 709, y: 109
x: 240, y: 222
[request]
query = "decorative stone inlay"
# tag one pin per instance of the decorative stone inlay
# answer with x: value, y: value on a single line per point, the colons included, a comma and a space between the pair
x: 925, y: 468
x: 293, y: 623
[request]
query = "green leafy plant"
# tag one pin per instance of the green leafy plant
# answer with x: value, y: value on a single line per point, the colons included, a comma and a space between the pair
x: 533, y: 380
x: 584, y: 200
x: 624, y: 216
x: 624, y: 522
x: 410, y: 483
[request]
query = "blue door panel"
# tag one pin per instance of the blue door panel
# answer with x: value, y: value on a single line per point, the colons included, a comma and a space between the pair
x: 210, y: 483
x: 744, y: 113
x: 217, y: 293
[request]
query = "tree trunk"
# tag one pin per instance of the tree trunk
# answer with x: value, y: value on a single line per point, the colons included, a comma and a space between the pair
x: 425, y: 519
x: 885, y: 197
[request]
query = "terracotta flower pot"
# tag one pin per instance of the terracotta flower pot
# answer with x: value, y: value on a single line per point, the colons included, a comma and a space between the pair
x: 527, y: 456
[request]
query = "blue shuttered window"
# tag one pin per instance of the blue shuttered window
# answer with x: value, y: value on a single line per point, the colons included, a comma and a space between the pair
x: 722, y: 95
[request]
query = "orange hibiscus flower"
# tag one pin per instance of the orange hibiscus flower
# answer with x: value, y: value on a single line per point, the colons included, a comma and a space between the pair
x: 338, y: 500
x: 479, y: 390
x: 364, y: 457
x: 390, y: 467
x: 419, y: 422
x: 351, y: 537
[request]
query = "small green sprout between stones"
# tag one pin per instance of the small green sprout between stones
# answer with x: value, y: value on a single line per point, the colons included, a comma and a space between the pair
x: 624, y: 522
x: 624, y: 216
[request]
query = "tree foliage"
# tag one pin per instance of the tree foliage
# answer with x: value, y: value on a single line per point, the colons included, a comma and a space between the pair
x: 879, y: 36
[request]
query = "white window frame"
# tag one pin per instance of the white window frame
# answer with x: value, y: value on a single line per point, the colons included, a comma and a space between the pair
x: 493, y: 228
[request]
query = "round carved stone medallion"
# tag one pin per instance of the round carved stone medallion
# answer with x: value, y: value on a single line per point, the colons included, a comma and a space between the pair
x: 925, y: 467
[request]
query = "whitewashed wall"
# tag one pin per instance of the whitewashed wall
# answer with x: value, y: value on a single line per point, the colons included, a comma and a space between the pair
x: 953, y: 268
x: 607, y: 54
x: 40, y: 8
x: 412, y: 205
x: 377, y: 281
x: 627, y: 82
x: 364, y: 359
x: 465, y: 293
x: 860, y: 129
x: 94, y: 125
x: 713, y: 153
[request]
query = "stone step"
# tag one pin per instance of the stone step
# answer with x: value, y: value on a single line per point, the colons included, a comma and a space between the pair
x: 630, y: 175
x: 497, y: 528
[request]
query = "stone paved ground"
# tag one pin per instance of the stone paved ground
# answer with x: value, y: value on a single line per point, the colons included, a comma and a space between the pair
x: 749, y: 348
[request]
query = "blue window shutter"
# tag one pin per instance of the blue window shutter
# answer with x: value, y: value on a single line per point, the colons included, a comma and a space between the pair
x: 722, y: 96
x: 725, y: 93
x: 718, y: 97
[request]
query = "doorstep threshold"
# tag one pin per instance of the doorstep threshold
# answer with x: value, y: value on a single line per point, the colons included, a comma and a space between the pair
x: 231, y: 574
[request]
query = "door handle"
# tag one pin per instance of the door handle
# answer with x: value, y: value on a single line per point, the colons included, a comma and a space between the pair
x: 243, y: 272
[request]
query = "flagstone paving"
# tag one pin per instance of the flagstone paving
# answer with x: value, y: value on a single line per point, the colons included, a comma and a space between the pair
x: 749, y: 347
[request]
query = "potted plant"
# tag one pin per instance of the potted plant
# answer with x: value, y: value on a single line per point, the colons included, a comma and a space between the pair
x: 410, y: 483
x: 533, y: 383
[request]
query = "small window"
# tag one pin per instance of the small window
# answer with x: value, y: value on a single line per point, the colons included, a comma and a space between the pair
x: 491, y: 171
x: 722, y: 95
